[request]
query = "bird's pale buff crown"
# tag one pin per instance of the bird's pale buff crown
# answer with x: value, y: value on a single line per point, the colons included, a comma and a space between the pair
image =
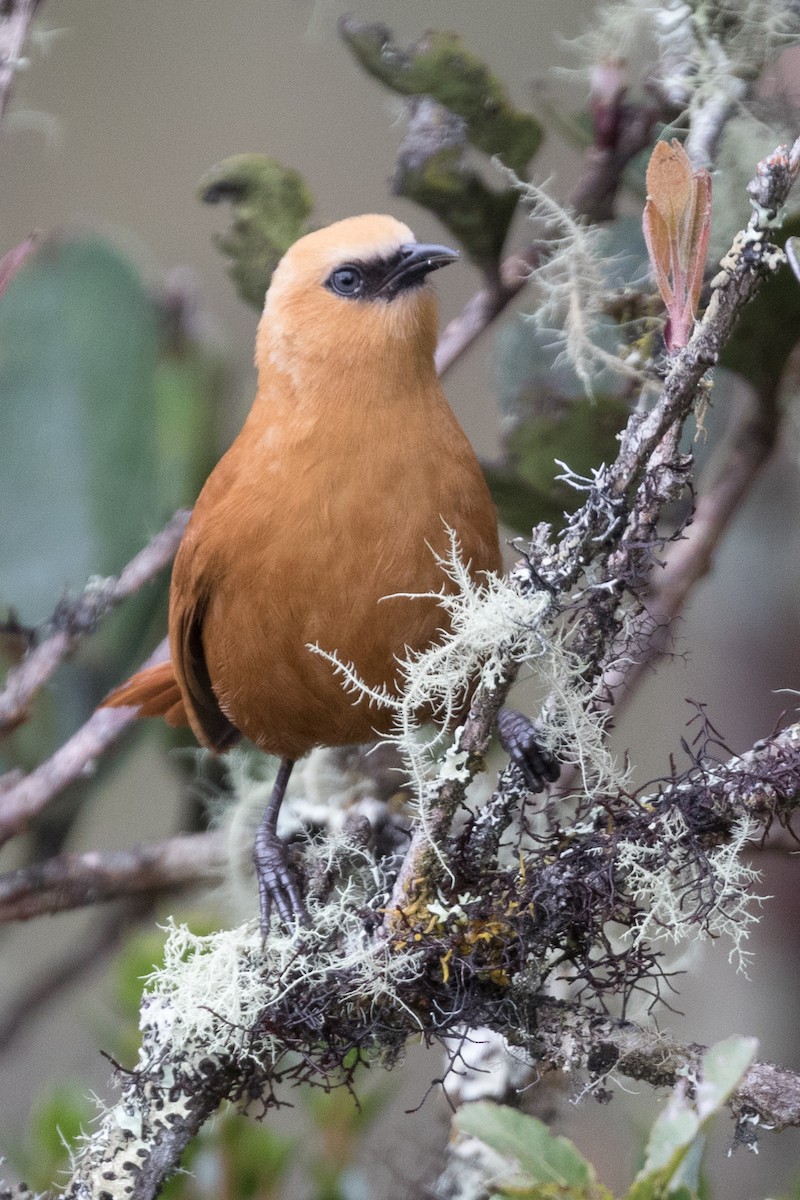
x: 305, y: 322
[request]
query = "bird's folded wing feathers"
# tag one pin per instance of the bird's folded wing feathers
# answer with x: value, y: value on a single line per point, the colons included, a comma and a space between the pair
x: 207, y: 719
x: 156, y: 691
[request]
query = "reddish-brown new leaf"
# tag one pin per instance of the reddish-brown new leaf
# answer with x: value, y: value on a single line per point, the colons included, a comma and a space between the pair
x: 676, y: 224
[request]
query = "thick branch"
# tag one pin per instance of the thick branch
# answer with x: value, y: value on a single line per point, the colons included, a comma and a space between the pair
x: 78, y: 617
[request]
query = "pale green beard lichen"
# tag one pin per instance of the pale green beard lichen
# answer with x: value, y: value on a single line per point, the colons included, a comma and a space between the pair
x: 573, y: 285
x: 660, y: 883
x: 214, y: 993
x: 491, y: 623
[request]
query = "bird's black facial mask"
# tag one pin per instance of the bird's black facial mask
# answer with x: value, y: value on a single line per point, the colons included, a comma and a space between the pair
x: 385, y: 278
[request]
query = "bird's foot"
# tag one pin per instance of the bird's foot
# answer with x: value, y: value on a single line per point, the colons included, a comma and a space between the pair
x: 277, y: 884
x: 518, y: 739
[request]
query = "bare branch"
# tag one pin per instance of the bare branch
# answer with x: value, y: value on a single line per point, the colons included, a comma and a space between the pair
x: 78, y: 617
x: 93, y: 877
x: 487, y: 304
x: 621, y: 131
x: 22, y: 798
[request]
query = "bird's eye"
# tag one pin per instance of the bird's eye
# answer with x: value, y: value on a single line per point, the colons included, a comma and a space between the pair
x: 346, y: 281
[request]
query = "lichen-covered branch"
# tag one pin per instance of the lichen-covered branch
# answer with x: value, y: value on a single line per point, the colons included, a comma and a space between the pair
x: 609, y: 541
x: 229, y: 1018
x: 470, y: 930
x: 575, y: 1038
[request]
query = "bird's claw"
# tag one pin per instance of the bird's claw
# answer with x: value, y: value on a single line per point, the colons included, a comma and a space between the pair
x: 277, y: 884
x: 518, y: 739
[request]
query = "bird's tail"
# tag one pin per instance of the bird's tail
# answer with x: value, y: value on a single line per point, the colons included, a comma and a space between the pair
x: 154, y: 691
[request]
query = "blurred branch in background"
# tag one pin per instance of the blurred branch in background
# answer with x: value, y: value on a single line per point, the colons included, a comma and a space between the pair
x: 24, y: 797
x: 75, y: 880
x: 15, y: 22
x: 76, y: 618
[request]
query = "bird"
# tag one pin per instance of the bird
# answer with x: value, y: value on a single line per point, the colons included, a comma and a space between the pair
x: 325, y: 521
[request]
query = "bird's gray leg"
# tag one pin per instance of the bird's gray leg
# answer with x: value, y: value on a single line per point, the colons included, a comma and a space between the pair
x: 276, y: 882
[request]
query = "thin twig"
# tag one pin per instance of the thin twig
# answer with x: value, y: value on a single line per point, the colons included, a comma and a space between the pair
x: 75, y: 618
x: 22, y: 799
x: 485, y: 306
x: 92, y: 877
x: 14, y: 26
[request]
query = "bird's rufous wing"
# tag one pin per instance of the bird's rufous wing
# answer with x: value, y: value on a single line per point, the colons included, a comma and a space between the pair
x: 207, y: 719
x: 180, y: 689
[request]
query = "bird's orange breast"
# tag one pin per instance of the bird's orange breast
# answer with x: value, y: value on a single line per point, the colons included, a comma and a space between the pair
x: 322, y: 510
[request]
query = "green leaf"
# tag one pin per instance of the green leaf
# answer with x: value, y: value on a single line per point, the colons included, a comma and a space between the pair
x: 190, y: 384
x: 78, y: 345
x: 108, y: 403
x: 670, y: 1138
x: 724, y: 1066
x: 769, y: 328
x: 520, y: 504
x: 270, y: 207
x: 435, y: 176
x: 541, y: 1156
x: 547, y: 419
x: 672, y: 1164
x: 456, y: 103
x: 440, y: 66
